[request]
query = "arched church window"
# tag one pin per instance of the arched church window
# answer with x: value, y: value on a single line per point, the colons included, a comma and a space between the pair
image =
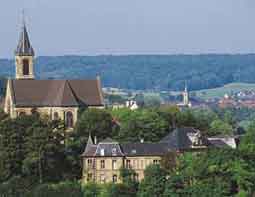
x: 25, y: 67
x: 69, y: 119
x: 55, y: 116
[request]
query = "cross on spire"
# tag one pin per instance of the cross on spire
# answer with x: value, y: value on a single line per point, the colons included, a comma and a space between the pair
x: 23, y: 17
x: 24, y: 47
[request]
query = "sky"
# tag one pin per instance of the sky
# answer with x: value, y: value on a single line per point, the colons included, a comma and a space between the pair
x: 93, y: 27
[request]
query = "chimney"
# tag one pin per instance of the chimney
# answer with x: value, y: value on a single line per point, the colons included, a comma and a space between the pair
x: 95, y: 140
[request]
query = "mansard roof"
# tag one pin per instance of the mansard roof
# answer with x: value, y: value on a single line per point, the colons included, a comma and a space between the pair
x: 56, y: 93
x: 90, y: 148
x: 144, y: 149
x: 110, y: 148
x: 106, y: 148
x: 24, y: 47
x: 181, y: 139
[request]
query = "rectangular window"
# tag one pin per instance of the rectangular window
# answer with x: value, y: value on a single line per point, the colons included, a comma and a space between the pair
x: 102, y: 164
x: 90, y: 163
x: 114, y: 164
x: 102, y: 178
x: 114, y: 178
x: 134, y: 166
x: 89, y: 177
x: 137, y: 177
x: 128, y: 165
x: 155, y: 161
x: 142, y: 164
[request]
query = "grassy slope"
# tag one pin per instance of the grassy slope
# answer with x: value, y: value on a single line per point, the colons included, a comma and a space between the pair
x: 227, y: 89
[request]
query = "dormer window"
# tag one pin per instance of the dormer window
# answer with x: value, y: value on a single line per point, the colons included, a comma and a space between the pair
x: 133, y: 151
x: 102, y: 152
x: 114, y: 151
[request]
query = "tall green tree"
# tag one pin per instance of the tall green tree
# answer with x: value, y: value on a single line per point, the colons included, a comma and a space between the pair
x: 153, y: 183
x: 44, y: 152
x: 97, y: 122
x: 220, y: 127
x: 143, y: 124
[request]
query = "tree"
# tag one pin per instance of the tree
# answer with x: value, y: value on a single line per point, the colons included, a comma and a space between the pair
x: 169, y: 161
x: 97, y: 122
x: 220, y: 127
x: 32, y: 148
x: 12, y: 150
x: 170, y: 115
x: 153, y: 183
x: 142, y: 124
x: 44, y: 152
x: 91, y: 190
x: 186, y: 119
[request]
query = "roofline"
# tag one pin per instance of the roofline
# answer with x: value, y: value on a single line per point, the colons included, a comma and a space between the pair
x: 21, y: 106
x: 94, y: 156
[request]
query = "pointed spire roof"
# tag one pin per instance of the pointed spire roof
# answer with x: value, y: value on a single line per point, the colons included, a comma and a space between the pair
x: 24, y: 47
x: 186, y: 87
x: 91, y: 148
x: 90, y: 141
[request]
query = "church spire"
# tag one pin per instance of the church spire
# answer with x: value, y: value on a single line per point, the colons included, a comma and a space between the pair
x: 24, y: 55
x: 186, y: 87
x: 24, y: 47
x: 186, y: 95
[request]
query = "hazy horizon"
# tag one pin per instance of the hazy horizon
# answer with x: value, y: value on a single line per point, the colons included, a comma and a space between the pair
x: 166, y: 27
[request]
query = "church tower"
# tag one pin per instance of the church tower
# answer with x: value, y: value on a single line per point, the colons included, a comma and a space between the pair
x: 186, y: 95
x: 24, y: 56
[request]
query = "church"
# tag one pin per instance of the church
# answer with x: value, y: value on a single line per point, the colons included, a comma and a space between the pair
x: 56, y: 99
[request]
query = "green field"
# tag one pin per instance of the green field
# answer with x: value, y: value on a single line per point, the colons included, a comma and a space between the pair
x: 227, y: 89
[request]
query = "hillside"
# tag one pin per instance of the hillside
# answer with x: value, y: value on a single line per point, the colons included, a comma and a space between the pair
x: 226, y: 89
x: 157, y: 72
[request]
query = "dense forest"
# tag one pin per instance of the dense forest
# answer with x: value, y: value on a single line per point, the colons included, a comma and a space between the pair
x: 154, y: 72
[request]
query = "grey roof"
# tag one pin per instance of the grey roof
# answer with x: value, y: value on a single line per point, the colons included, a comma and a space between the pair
x: 109, y: 150
x: 218, y: 143
x: 106, y: 148
x: 179, y: 140
x: 24, y: 47
x: 144, y: 149
x: 90, y: 150
x: 56, y: 93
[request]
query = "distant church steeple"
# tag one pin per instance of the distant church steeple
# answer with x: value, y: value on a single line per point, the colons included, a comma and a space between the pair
x: 24, y: 55
x: 186, y: 95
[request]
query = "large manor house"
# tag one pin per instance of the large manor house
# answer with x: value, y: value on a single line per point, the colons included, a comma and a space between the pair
x: 57, y: 99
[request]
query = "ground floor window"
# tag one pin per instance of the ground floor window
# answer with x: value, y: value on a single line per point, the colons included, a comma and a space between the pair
x: 22, y: 113
x: 114, y: 178
x: 89, y: 177
x: 136, y: 177
x: 102, y: 178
